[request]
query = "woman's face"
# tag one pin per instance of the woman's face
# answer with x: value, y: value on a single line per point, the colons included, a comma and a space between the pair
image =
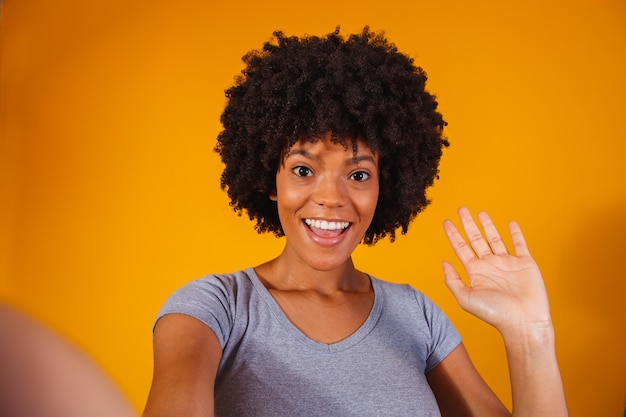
x: 326, y: 198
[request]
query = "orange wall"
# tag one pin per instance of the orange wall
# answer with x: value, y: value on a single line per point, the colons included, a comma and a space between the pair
x: 110, y: 193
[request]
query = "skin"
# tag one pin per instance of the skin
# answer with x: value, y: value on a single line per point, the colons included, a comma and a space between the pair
x: 507, y: 291
x: 44, y: 375
x: 314, y: 276
x: 314, y: 280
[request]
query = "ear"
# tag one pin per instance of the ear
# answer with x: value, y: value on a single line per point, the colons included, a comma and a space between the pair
x: 273, y: 196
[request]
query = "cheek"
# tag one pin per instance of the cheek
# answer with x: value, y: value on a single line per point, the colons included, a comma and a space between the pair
x: 288, y: 198
x: 374, y: 204
x: 373, y: 200
x: 366, y: 203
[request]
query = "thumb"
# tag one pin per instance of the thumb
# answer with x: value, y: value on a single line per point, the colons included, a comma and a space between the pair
x: 454, y: 283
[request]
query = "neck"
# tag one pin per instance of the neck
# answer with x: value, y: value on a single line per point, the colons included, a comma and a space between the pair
x: 289, y: 274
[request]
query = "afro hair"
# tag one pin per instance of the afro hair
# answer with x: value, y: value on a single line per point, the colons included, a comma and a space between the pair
x: 358, y: 86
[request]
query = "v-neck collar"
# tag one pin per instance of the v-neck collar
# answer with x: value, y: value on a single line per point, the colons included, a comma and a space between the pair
x: 343, y: 344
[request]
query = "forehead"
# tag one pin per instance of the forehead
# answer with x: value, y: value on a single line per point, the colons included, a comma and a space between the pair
x: 353, y: 148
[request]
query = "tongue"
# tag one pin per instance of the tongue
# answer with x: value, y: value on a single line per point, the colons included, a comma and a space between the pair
x: 326, y: 233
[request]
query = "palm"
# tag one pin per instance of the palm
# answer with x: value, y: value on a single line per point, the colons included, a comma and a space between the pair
x: 504, y: 289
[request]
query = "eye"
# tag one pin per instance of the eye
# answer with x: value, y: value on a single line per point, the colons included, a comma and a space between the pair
x: 360, y: 176
x: 302, y: 171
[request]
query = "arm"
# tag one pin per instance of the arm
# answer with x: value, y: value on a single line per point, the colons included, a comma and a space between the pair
x: 186, y: 357
x: 461, y: 391
x: 507, y: 291
x: 44, y: 375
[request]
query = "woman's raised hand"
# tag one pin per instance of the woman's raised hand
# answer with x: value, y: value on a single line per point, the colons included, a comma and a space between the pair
x: 505, y: 289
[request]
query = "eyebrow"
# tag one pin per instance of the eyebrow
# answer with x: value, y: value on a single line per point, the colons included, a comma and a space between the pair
x: 354, y: 160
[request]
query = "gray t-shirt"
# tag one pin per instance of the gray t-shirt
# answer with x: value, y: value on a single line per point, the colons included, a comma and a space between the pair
x: 269, y: 368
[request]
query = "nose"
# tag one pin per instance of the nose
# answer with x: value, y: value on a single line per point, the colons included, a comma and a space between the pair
x: 330, y: 192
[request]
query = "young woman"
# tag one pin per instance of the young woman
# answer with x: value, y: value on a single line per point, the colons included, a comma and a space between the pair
x: 330, y: 142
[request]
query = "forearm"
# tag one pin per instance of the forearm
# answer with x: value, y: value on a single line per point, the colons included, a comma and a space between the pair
x: 535, y: 377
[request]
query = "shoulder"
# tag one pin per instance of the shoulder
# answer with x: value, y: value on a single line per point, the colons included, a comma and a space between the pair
x: 224, y: 286
x: 408, y: 306
x: 213, y: 300
x: 403, y: 295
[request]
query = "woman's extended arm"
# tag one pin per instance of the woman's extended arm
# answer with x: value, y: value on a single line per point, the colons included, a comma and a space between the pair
x: 507, y: 291
x: 44, y: 375
x: 186, y: 357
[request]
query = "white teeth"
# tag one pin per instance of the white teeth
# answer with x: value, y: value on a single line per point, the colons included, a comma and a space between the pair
x: 326, y: 225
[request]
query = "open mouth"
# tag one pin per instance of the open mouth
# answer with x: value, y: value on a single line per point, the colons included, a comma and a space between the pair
x: 325, y: 227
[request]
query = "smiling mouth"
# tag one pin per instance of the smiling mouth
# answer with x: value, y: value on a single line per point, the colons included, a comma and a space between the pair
x: 325, y: 226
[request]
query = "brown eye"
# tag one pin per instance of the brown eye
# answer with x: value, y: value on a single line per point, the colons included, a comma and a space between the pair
x: 360, y: 176
x: 302, y: 171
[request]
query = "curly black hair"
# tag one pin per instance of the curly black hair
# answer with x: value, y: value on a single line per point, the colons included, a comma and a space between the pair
x: 355, y: 87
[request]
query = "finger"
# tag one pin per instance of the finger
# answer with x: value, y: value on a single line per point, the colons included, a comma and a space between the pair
x: 491, y: 233
x: 473, y: 233
x: 519, y: 243
x: 454, y: 283
x: 460, y: 246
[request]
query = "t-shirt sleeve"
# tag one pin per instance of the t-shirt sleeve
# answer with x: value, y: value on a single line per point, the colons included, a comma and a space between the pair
x: 444, y: 336
x: 208, y: 300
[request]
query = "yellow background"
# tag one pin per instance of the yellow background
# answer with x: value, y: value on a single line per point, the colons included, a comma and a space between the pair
x: 110, y: 197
